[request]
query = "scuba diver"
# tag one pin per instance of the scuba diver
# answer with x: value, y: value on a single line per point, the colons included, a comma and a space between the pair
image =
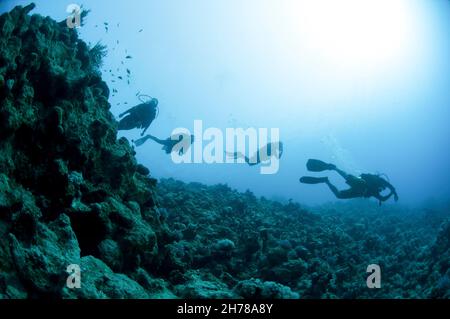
x: 262, y: 155
x: 139, y: 116
x: 169, y: 143
x: 367, y: 185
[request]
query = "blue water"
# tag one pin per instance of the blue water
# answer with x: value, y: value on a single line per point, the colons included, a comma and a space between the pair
x: 369, y: 98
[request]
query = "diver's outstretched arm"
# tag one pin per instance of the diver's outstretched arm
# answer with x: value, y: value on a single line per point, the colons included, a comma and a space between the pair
x: 124, y: 113
x: 127, y: 112
x: 382, y: 198
x: 393, y: 191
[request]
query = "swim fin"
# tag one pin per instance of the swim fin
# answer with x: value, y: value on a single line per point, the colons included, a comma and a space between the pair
x: 314, y: 165
x: 313, y: 180
x: 141, y: 141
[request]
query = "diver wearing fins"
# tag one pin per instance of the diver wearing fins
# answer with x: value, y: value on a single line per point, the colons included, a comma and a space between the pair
x: 262, y: 155
x: 169, y: 143
x: 139, y: 116
x: 366, y: 185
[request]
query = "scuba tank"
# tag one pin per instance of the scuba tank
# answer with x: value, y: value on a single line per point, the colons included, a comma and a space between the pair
x: 147, y: 99
x: 374, y: 182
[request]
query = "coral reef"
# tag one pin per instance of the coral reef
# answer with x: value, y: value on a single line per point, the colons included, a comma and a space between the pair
x: 72, y: 193
x: 265, y: 249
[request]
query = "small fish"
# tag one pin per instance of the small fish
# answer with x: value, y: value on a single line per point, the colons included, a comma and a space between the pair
x: 120, y: 77
x: 139, y: 92
x: 105, y: 23
x: 125, y: 103
x: 113, y: 81
x: 128, y: 72
x: 128, y: 81
x: 128, y: 57
x: 117, y: 41
x: 141, y: 30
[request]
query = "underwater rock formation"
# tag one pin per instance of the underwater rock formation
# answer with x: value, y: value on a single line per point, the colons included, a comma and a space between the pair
x: 265, y: 249
x: 72, y: 193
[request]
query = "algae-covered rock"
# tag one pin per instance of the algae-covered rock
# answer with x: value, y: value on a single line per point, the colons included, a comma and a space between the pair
x: 41, y: 263
x: 197, y: 287
x: 256, y: 289
x: 70, y: 191
x: 100, y: 282
x: 159, y: 288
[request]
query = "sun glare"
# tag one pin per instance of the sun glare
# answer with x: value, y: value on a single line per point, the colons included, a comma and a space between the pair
x: 352, y: 33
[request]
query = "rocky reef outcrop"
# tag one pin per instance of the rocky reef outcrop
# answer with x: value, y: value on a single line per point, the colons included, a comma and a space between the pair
x: 72, y: 193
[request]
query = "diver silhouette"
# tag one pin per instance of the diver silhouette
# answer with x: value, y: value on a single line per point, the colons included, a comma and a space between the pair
x: 169, y: 143
x: 366, y: 185
x: 262, y: 155
x: 139, y: 116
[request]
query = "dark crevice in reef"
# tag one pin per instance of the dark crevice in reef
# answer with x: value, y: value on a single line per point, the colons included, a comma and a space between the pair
x: 72, y: 193
x: 90, y: 231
